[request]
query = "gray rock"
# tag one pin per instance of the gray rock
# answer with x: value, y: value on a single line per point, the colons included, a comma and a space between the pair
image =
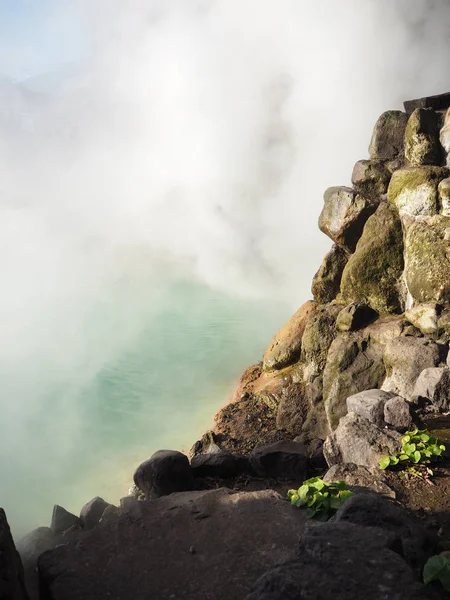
x: 221, y: 464
x: 166, y: 472
x: 327, y: 280
x: 422, y: 146
x: 283, y: 459
x: 397, y: 413
x: 405, y: 358
x: 62, y: 520
x: 370, y: 178
x: 444, y: 191
x: 358, y: 441
x: 434, y: 385
x: 424, y: 317
x: 344, y: 215
x: 355, y: 316
x: 92, y: 512
x: 112, y: 512
x: 388, y: 136
x: 360, y: 479
x: 370, y: 405
x: 12, y: 584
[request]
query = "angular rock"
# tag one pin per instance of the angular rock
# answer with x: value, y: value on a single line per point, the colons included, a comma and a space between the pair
x: 370, y: 178
x: 62, y: 520
x: 284, y: 460
x: 415, y: 543
x: 414, y: 190
x: 438, y: 102
x: 405, y: 358
x: 12, y: 585
x: 190, y: 546
x: 357, y: 440
x: 92, y: 512
x: 344, y: 215
x: 354, y: 364
x: 315, y: 428
x: 360, y: 479
x: 285, y: 347
x: 444, y: 136
x: 221, y: 464
x: 397, y: 414
x: 292, y: 409
x: 355, y: 316
x: 422, y: 146
x: 343, y: 561
x: 427, y: 264
x: 165, y: 472
x: 388, y: 136
x: 112, y: 512
x: 433, y: 385
x: 327, y: 280
x: 370, y: 405
x: 424, y: 317
x: 320, y: 331
x: 372, y: 272
x: 444, y: 196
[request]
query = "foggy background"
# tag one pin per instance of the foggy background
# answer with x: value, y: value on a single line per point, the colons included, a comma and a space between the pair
x: 162, y: 165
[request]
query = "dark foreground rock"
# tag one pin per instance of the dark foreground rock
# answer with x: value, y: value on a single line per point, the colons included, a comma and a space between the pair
x: 12, y: 586
x: 195, y: 545
x: 166, y: 472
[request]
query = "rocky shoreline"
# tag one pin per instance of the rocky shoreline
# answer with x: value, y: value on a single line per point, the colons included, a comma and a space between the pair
x: 353, y: 370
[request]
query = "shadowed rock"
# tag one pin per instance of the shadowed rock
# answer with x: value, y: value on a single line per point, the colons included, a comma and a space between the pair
x: 165, y: 472
x: 12, y: 586
x: 438, y: 102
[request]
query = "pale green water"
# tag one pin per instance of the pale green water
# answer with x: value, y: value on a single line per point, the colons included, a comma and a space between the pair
x: 74, y: 437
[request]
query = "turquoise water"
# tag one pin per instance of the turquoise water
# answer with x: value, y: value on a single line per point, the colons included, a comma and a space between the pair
x: 151, y: 379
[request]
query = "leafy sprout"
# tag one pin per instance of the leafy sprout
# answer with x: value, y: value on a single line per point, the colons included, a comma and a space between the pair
x: 320, y: 499
x: 418, y: 447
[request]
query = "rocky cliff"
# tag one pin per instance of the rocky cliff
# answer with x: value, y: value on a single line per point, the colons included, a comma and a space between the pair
x: 355, y: 367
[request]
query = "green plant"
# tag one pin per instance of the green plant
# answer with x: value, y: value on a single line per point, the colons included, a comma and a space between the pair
x: 418, y: 447
x: 321, y: 499
x: 437, y: 568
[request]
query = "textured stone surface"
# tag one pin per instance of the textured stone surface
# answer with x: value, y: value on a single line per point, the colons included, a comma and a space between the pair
x: 388, y: 136
x: 326, y: 282
x: 360, y: 479
x: 422, y: 146
x: 434, y: 385
x: 62, y: 520
x: 444, y: 135
x: 217, y: 464
x: 370, y: 178
x: 424, y: 317
x: 165, y: 472
x: 285, y: 347
x: 372, y: 272
x: 194, y: 531
x: 12, y: 585
x: 92, y: 512
x: 405, y: 358
x: 344, y: 215
x: 357, y: 440
x: 444, y: 197
x: 397, y: 413
x: 355, y: 316
x: 438, y: 102
x: 293, y: 408
x: 320, y: 331
x: 414, y: 190
x: 283, y: 459
x: 370, y: 405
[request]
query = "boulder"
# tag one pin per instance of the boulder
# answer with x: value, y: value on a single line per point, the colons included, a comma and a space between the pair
x: 388, y: 136
x: 282, y: 460
x: 12, y: 584
x: 405, y: 358
x: 372, y: 272
x: 413, y: 191
x: 354, y: 364
x: 165, y: 472
x: 326, y: 282
x: 370, y: 405
x: 438, y: 102
x: 357, y: 440
x: 92, y: 512
x: 207, y: 544
x: 422, y: 146
x: 342, y: 561
x: 370, y: 178
x: 444, y: 197
x: 220, y: 464
x: 292, y: 409
x: 360, y: 479
x: 344, y: 215
x: 415, y: 543
x: 424, y: 317
x: 355, y: 316
x: 112, y: 512
x: 320, y: 331
x: 315, y: 428
x: 433, y: 385
x: 397, y: 414
x: 427, y: 264
x: 285, y: 347
x: 30, y: 547
x: 62, y: 520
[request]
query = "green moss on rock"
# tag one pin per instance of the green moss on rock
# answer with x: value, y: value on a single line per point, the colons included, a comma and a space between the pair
x: 422, y: 145
x: 327, y: 280
x: 414, y: 190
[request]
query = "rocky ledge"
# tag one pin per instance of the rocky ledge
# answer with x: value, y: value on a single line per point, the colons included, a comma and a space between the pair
x: 357, y: 366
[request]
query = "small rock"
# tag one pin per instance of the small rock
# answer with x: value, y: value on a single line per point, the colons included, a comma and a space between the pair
x: 283, y: 459
x: 370, y: 405
x: 221, y: 464
x: 424, y: 317
x: 397, y: 413
x: 388, y: 136
x: 92, y: 512
x: 359, y: 479
x: 422, y: 145
x: 414, y: 190
x: 371, y: 178
x: 166, y: 472
x: 62, y: 520
x: 326, y: 282
x: 444, y: 195
x: 355, y: 316
x: 433, y: 385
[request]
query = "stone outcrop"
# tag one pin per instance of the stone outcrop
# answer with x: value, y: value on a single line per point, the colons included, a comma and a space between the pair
x: 327, y: 281
x: 12, y: 583
x: 388, y: 138
x: 422, y: 146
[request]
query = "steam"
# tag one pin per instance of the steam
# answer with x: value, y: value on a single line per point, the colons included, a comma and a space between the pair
x: 191, y: 141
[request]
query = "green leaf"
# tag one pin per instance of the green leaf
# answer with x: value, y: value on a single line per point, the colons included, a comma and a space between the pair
x: 345, y: 495
x: 405, y: 439
x: 340, y: 485
x: 434, y: 567
x: 425, y: 437
x: 404, y: 457
x: 310, y: 512
x: 409, y: 448
x: 444, y: 578
x: 303, y: 491
x: 393, y: 460
x: 416, y: 457
x: 384, y: 462
x: 442, y: 447
x: 437, y: 451
x: 294, y: 499
x: 319, y: 484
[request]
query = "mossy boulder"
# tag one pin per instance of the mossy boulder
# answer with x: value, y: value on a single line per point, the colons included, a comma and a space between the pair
x: 427, y: 257
x: 319, y: 333
x: 344, y: 215
x: 444, y: 197
x: 422, y: 146
x: 370, y: 178
x: 355, y: 316
x: 414, y: 190
x: 327, y: 280
x: 387, y: 141
x: 424, y: 317
x: 285, y: 347
x: 372, y: 272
